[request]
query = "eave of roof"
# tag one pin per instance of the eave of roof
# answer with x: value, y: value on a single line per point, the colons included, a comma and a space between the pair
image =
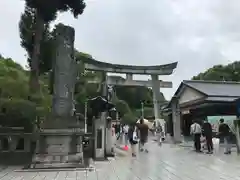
x: 188, y: 83
x: 221, y: 99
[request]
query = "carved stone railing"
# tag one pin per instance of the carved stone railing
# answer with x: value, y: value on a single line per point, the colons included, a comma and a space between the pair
x: 16, y: 142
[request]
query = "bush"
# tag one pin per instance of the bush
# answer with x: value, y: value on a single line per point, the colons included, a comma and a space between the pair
x: 18, y: 113
x: 148, y: 112
x: 122, y: 107
x: 128, y: 118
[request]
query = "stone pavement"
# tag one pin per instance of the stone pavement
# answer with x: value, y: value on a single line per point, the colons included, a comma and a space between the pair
x: 169, y: 162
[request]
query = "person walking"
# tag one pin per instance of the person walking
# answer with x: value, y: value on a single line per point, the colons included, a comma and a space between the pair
x: 159, y: 132
x: 133, y: 138
x: 118, y: 130
x: 224, y: 132
x: 143, y: 131
x: 125, y: 134
x: 207, y: 133
x: 196, y: 131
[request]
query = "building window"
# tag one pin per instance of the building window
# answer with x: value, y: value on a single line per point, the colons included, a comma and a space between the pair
x: 5, y: 144
x: 20, y: 145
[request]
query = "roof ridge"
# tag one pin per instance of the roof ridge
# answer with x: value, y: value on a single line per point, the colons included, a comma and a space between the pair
x: 210, y: 81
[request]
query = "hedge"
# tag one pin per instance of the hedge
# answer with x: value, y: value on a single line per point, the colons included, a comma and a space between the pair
x: 17, y: 113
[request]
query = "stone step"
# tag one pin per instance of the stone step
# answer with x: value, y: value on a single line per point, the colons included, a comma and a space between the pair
x: 63, y: 158
x: 56, y: 165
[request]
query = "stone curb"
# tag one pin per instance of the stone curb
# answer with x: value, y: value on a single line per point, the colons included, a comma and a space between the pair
x: 54, y: 169
x: 191, y: 145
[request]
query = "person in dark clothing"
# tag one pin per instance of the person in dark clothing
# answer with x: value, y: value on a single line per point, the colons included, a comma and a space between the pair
x: 224, y: 132
x: 143, y: 131
x: 117, y: 130
x: 207, y: 132
x: 133, y: 138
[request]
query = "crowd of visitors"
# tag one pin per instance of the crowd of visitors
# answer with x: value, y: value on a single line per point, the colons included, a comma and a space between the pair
x: 136, y: 134
x: 203, y: 133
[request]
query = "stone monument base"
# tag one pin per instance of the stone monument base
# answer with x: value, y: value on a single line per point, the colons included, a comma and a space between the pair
x: 58, y: 148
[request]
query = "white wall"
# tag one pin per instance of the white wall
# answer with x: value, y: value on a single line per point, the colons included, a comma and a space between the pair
x: 189, y: 94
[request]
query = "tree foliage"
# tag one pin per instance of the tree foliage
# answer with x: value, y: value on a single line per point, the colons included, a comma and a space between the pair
x: 18, y: 113
x: 27, y: 32
x: 128, y: 118
x: 230, y: 72
x: 48, y: 9
x: 34, y: 32
x: 15, y: 108
x: 134, y: 95
x: 122, y: 107
x: 148, y: 112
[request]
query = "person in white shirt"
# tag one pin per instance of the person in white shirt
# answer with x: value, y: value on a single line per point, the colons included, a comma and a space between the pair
x: 125, y: 134
x: 196, y: 131
x: 159, y: 132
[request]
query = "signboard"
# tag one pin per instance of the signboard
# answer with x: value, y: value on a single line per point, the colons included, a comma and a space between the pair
x: 185, y: 112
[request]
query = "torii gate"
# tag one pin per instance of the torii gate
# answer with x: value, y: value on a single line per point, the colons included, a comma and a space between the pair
x: 130, y: 70
x: 120, y: 81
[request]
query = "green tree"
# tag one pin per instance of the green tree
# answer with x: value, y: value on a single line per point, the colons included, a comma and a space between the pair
x: 134, y: 95
x: 122, y: 107
x: 148, y: 112
x: 39, y: 13
x: 230, y: 72
x: 27, y: 34
x: 15, y: 108
x: 128, y: 118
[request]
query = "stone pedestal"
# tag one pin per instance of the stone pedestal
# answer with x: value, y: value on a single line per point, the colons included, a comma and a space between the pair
x: 100, y: 138
x: 58, y: 148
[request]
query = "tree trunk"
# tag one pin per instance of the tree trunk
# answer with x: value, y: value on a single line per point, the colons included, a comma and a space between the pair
x: 34, y: 65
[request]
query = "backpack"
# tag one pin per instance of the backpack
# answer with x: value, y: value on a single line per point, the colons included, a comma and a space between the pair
x: 159, y: 129
x: 135, y: 137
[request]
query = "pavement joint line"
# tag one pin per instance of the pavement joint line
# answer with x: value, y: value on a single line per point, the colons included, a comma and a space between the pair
x: 167, y: 162
x: 55, y: 170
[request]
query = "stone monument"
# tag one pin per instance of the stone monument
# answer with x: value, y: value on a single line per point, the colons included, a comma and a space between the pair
x: 59, y: 143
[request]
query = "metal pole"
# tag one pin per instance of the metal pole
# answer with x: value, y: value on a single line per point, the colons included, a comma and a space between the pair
x: 142, y: 109
x: 237, y: 136
x: 117, y: 117
x: 85, y: 117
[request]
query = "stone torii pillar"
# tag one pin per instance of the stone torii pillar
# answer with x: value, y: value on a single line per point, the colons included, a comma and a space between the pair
x: 156, y: 95
x: 156, y: 99
x: 129, y: 77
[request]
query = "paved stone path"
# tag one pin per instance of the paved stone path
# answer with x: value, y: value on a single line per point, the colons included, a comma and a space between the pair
x: 169, y: 162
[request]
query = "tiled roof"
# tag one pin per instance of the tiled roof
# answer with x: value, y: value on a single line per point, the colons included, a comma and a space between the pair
x: 215, y: 88
x: 225, y: 91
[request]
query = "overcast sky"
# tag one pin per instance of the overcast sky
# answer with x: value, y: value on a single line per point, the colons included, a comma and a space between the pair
x: 196, y: 33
